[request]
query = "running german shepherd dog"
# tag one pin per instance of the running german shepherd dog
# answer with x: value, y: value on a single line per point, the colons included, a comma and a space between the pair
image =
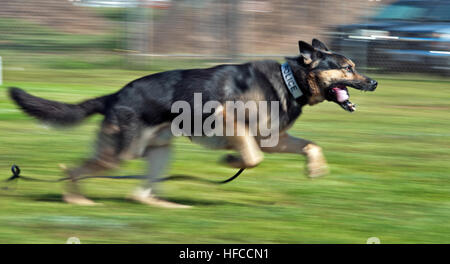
x: 138, y: 117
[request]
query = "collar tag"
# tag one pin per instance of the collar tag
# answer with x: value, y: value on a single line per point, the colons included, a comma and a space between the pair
x: 289, y: 79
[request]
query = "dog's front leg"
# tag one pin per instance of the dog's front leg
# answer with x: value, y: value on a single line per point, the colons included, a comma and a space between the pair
x: 316, y: 163
x: 250, y: 153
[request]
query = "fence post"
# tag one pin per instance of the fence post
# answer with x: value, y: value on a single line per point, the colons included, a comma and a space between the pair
x: 232, y: 24
x: 1, y: 71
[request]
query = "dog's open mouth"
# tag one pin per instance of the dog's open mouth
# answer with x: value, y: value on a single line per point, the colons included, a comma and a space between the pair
x: 339, y: 94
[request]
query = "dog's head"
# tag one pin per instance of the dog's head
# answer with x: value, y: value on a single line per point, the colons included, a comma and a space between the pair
x: 329, y: 75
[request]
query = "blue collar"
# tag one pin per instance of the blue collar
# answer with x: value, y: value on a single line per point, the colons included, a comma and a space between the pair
x: 289, y: 80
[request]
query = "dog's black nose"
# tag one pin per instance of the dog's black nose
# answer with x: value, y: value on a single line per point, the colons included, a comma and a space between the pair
x: 374, y: 84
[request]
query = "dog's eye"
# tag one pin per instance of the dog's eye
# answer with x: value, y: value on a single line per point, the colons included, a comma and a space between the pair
x: 349, y: 69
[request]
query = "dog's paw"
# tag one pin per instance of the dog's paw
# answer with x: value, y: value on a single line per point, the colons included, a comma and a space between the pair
x: 317, y: 169
x: 78, y: 199
x: 316, y: 165
x: 158, y: 202
x: 62, y: 166
x: 235, y: 161
x: 232, y: 161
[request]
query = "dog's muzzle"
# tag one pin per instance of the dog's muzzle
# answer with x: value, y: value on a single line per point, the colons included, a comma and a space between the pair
x: 339, y: 94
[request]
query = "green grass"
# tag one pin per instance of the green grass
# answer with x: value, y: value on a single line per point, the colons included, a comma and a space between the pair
x: 390, y: 164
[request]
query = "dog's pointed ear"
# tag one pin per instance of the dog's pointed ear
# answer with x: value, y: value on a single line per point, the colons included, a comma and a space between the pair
x: 319, y: 45
x: 306, y: 51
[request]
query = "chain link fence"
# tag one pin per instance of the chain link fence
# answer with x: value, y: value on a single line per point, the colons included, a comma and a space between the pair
x: 123, y: 34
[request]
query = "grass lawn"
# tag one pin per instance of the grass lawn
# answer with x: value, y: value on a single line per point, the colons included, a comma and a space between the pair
x: 390, y: 166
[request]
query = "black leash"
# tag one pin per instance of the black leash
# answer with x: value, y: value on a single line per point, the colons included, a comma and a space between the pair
x: 16, y: 176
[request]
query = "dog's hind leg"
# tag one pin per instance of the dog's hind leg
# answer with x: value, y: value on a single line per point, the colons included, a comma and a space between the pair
x: 316, y: 163
x: 158, y: 159
x: 123, y: 122
x: 106, y: 157
x: 73, y: 194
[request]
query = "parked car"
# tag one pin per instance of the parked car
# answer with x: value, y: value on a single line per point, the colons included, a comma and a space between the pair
x: 406, y: 35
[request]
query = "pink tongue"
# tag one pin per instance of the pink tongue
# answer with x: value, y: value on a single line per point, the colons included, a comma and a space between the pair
x: 341, y: 95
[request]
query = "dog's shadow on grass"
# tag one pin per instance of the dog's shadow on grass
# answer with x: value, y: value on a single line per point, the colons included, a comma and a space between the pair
x: 57, y: 198
x: 47, y: 197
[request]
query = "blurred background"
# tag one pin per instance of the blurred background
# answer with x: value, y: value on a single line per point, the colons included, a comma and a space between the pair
x: 389, y: 161
x: 381, y: 35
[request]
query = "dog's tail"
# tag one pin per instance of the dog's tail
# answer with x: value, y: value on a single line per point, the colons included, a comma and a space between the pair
x: 57, y: 113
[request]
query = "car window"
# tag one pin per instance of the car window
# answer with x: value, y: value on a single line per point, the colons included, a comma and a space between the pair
x: 402, y: 11
x: 440, y: 13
